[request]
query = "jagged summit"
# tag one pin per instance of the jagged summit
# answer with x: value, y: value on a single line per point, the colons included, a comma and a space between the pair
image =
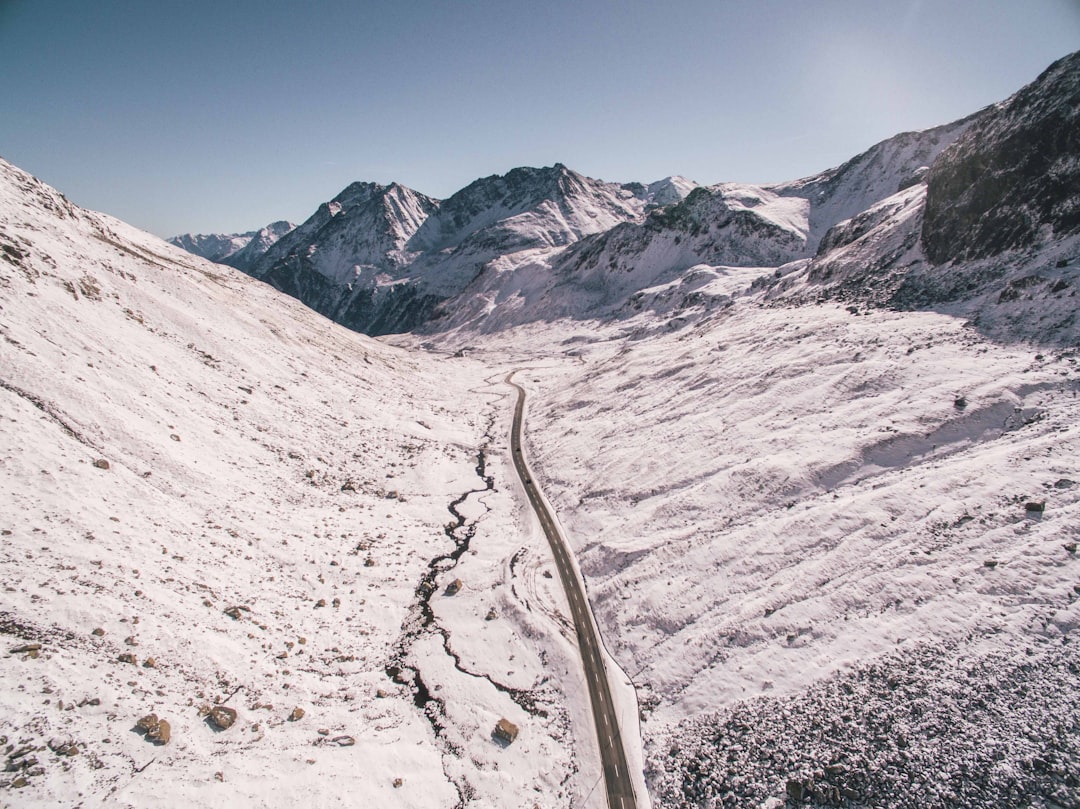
x: 548, y: 241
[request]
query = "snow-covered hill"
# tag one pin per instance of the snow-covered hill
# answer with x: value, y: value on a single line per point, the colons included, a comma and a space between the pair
x: 815, y: 446
x: 215, y: 497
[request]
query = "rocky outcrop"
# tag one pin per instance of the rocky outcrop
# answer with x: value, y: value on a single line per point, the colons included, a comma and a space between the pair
x: 1013, y: 176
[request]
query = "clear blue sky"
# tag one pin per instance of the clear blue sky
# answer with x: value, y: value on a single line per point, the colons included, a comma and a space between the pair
x: 223, y: 116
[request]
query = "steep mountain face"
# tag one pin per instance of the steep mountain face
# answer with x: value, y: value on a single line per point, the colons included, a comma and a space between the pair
x: 1014, y: 173
x: 537, y: 243
x: 879, y: 172
x: 992, y: 230
x: 263, y: 240
x: 379, y: 259
x: 347, y: 259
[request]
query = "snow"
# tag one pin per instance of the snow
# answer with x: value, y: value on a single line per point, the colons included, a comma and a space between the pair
x: 773, y: 497
x: 825, y: 509
x: 258, y: 457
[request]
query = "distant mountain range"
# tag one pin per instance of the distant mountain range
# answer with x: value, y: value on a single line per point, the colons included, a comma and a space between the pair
x: 549, y: 242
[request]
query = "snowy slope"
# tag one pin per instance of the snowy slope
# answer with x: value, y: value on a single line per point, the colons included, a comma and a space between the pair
x: 263, y: 509
x: 787, y: 511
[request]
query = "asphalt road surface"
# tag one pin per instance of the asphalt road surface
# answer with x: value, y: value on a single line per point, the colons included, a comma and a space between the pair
x: 620, y: 789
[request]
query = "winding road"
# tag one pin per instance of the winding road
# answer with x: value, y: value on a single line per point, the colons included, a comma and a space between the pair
x: 620, y: 789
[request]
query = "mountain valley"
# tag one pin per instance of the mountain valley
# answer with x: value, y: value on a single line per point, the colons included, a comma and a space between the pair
x: 813, y: 445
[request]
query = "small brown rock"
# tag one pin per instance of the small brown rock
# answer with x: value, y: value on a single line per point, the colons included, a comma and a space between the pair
x: 101, y: 463
x: 320, y: 603
x: 148, y: 722
x: 161, y: 733
x: 26, y: 648
x: 344, y: 741
x: 222, y: 716
x: 149, y: 663
x: 128, y: 657
x: 398, y: 783
x: 505, y: 731
x: 99, y: 632
x: 297, y: 714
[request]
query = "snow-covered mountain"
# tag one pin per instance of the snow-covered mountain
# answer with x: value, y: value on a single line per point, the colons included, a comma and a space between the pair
x: 222, y: 510
x: 263, y: 239
x: 813, y: 445
x: 992, y: 230
x: 213, y: 246
x: 238, y: 250
x: 380, y: 259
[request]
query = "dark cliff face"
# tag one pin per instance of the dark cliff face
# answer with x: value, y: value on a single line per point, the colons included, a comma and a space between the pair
x: 1013, y: 173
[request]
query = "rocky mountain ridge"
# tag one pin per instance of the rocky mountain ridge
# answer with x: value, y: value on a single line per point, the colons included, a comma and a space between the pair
x: 538, y: 243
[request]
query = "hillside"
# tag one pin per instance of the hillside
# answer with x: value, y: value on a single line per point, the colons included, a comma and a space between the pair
x: 813, y: 446
x: 215, y: 497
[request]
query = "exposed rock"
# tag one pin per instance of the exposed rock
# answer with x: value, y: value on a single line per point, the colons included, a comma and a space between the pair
x: 26, y: 648
x: 454, y: 587
x: 222, y: 716
x: 297, y: 714
x: 797, y: 791
x: 343, y: 741
x: 1012, y: 174
x: 149, y: 663
x: 1035, y: 506
x: 101, y: 463
x: 505, y: 731
x: 160, y: 733
x: 127, y: 657
x: 99, y: 632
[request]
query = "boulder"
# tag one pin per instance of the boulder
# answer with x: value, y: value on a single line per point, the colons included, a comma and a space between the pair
x: 161, y: 733
x: 505, y: 731
x: 222, y: 716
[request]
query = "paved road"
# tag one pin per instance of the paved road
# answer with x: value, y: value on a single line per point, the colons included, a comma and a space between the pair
x: 620, y: 790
